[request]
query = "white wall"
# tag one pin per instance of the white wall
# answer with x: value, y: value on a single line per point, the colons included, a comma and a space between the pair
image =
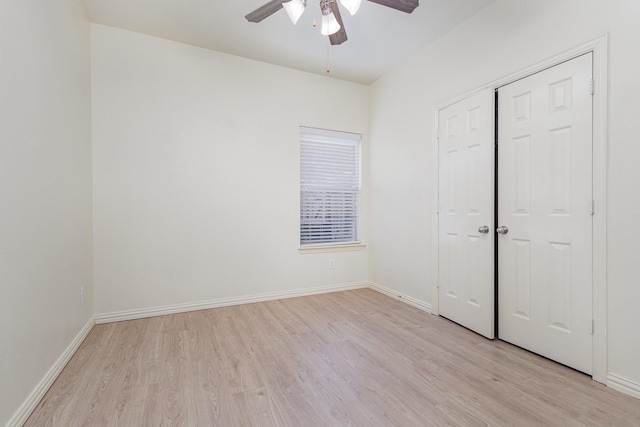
x: 196, y: 173
x: 45, y: 189
x: 507, y: 36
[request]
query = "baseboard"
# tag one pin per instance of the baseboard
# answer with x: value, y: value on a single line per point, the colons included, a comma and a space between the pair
x: 401, y: 297
x: 223, y: 302
x: 624, y: 385
x: 27, y: 407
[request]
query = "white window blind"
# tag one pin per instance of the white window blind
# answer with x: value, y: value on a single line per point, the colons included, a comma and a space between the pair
x: 329, y: 187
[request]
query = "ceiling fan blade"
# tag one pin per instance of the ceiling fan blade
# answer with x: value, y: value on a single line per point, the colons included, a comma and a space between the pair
x: 407, y: 6
x: 264, y: 11
x: 341, y: 35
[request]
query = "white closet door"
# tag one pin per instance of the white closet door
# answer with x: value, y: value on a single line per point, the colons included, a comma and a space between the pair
x: 466, y: 213
x: 544, y: 200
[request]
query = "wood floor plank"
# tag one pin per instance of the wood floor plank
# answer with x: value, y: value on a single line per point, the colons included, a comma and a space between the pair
x: 356, y: 358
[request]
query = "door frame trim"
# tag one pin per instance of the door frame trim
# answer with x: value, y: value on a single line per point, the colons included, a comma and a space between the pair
x: 599, y: 48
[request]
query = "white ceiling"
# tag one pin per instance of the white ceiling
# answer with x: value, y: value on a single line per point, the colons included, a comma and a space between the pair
x: 379, y: 37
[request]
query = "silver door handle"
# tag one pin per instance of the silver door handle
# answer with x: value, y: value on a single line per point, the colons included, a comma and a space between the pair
x: 483, y: 229
x: 502, y: 229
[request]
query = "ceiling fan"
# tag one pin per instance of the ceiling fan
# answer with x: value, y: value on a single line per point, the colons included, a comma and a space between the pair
x: 332, y: 25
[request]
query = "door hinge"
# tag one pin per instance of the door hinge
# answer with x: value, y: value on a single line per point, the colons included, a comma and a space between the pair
x: 592, y: 207
x: 592, y: 86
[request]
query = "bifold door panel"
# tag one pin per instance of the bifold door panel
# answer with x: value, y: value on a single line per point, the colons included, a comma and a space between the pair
x: 466, y: 219
x: 544, y: 205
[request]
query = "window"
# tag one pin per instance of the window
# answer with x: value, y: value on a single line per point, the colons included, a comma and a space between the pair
x: 329, y: 187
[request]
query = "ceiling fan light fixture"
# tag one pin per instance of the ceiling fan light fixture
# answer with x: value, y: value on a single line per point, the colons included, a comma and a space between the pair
x: 351, y: 5
x: 294, y: 9
x: 330, y: 24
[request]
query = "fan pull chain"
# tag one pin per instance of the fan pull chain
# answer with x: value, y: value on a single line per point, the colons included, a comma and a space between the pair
x: 328, y: 68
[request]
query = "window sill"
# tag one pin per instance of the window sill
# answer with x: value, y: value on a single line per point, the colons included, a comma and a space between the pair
x: 331, y: 248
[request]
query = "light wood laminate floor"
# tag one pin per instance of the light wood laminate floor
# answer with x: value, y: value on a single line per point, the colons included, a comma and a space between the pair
x: 355, y: 358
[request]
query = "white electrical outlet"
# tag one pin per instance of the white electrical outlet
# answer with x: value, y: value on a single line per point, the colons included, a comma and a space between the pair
x: 82, y: 295
x: 332, y: 263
